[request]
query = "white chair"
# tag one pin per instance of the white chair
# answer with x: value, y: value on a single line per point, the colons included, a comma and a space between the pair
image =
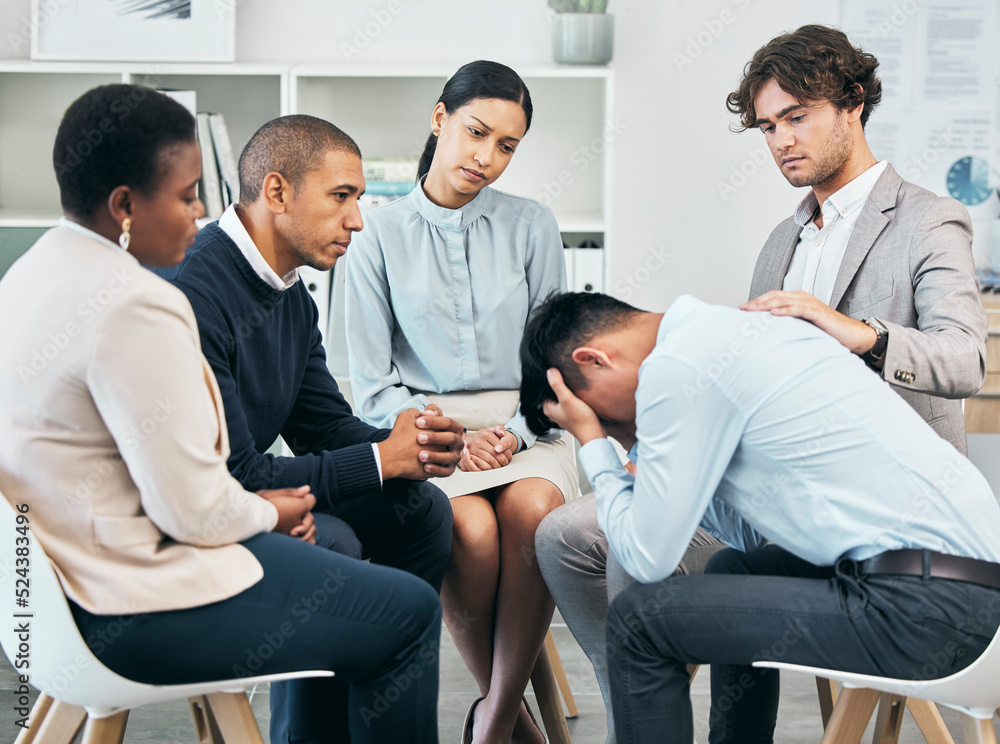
x: 974, y: 691
x: 76, y: 688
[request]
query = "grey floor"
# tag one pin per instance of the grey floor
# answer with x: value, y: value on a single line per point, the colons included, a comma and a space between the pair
x: 798, y: 716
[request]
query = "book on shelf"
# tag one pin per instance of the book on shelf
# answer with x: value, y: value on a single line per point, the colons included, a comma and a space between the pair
x: 230, y: 181
x: 210, y: 186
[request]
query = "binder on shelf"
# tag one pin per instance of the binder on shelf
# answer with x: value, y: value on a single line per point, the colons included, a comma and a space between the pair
x: 210, y: 185
x: 588, y: 268
x: 318, y: 284
x: 227, y: 161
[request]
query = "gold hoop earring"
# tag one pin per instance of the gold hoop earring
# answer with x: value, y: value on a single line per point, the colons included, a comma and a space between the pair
x: 124, y: 239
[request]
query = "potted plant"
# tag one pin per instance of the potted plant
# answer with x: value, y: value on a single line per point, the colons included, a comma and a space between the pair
x: 582, y: 33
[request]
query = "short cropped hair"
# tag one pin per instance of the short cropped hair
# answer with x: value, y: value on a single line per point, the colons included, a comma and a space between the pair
x: 813, y: 63
x: 559, y: 326
x: 289, y: 145
x: 115, y: 135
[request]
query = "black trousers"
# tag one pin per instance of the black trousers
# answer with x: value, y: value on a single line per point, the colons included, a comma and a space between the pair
x: 378, y: 628
x: 407, y: 526
x: 771, y: 605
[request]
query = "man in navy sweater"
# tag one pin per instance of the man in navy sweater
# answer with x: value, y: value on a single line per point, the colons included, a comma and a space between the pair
x: 300, y: 179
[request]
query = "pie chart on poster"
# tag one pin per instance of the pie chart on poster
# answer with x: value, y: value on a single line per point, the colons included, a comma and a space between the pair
x: 968, y: 180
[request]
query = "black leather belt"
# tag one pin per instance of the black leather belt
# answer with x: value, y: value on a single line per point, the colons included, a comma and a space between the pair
x: 927, y: 563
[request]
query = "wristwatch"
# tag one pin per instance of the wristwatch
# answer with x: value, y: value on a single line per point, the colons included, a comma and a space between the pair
x: 875, y: 355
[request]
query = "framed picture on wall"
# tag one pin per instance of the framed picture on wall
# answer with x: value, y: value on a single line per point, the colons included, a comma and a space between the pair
x: 134, y: 30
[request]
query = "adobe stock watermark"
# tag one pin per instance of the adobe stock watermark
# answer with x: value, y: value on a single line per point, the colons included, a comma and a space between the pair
x: 303, y: 610
x: 47, y: 10
x: 741, y: 173
x: 711, y: 30
x: 427, y: 657
x: 86, y: 311
x: 756, y: 325
x: 581, y: 159
x: 631, y: 282
x: 365, y: 34
x: 132, y: 438
x: 900, y: 16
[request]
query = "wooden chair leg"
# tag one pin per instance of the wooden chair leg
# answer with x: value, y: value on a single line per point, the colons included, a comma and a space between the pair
x: 232, y: 713
x: 889, y: 719
x: 850, y: 716
x: 543, y: 682
x: 205, y: 727
x: 692, y: 670
x: 978, y: 731
x: 929, y: 721
x: 60, y: 724
x: 827, y: 690
x: 38, y: 712
x: 560, y: 673
x: 110, y: 730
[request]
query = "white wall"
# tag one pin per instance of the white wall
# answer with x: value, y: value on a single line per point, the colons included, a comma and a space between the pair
x: 675, y: 149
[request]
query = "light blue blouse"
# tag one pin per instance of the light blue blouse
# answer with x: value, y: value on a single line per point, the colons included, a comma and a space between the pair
x: 437, y: 299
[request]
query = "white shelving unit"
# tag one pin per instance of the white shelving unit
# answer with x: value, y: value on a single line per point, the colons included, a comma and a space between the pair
x: 34, y: 96
x: 565, y: 161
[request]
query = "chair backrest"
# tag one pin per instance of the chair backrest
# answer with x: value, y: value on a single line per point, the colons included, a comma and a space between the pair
x: 50, y: 651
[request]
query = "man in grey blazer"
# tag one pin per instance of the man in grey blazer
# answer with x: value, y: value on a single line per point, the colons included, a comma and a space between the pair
x: 882, y: 265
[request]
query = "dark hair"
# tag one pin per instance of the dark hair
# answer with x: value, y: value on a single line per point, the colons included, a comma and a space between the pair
x: 480, y: 79
x: 559, y: 326
x: 812, y: 64
x: 289, y: 145
x: 112, y: 136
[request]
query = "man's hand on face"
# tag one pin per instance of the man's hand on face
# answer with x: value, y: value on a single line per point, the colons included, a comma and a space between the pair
x: 855, y: 335
x: 571, y: 413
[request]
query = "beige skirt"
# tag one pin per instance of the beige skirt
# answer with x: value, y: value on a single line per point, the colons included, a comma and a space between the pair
x: 553, y: 461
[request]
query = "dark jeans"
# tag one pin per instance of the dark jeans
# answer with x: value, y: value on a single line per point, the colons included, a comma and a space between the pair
x: 407, y: 526
x: 781, y: 609
x: 378, y: 628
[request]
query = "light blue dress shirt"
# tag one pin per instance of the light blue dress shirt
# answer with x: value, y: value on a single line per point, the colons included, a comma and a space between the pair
x: 766, y: 428
x: 436, y: 299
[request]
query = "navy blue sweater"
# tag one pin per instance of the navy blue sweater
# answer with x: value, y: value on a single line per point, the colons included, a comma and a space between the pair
x: 265, y: 348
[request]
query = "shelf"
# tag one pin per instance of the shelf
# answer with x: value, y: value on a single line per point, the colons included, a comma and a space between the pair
x: 443, y: 71
x: 12, y: 217
x: 581, y: 222
x: 122, y: 69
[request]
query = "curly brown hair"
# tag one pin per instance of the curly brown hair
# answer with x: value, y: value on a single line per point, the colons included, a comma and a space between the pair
x: 813, y: 63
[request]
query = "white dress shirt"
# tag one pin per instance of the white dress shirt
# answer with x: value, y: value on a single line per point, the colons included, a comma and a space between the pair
x: 761, y: 427
x: 819, y: 253
x: 234, y: 228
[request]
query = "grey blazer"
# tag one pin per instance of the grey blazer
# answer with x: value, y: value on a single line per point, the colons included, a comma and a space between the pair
x: 909, y: 264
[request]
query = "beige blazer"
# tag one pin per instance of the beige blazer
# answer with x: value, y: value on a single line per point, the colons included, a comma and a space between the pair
x: 909, y: 264
x: 112, y: 430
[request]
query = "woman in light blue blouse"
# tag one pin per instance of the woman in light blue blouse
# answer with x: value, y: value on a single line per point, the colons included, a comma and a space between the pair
x: 439, y: 287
